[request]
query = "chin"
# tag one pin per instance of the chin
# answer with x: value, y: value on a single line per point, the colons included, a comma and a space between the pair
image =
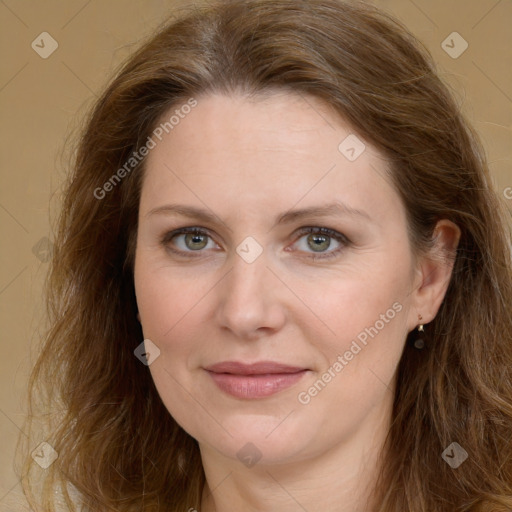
x: 265, y: 439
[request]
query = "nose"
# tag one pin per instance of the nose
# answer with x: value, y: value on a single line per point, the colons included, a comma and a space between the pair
x: 249, y: 300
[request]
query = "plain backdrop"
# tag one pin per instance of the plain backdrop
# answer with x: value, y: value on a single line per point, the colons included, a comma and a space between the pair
x: 42, y: 100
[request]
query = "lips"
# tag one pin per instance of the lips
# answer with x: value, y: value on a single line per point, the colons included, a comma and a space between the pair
x: 255, y: 380
x: 259, y: 368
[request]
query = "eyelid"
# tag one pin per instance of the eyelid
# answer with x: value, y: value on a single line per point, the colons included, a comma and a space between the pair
x: 299, y: 233
x: 166, y: 239
x: 324, y: 231
x: 332, y: 233
x: 169, y: 235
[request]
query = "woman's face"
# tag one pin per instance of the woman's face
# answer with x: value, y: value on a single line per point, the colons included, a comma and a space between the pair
x: 274, y: 273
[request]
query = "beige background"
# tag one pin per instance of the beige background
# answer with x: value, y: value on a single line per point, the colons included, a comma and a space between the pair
x: 42, y: 100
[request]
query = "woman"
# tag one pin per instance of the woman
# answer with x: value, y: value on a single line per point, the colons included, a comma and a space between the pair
x: 281, y: 280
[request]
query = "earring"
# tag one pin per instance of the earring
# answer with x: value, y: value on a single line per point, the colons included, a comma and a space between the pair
x: 419, y: 343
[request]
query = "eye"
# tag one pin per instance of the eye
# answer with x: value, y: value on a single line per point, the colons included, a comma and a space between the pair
x: 316, y: 241
x: 188, y: 240
x: 319, y: 242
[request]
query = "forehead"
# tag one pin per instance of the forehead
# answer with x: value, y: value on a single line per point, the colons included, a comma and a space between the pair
x: 282, y: 125
x: 266, y: 153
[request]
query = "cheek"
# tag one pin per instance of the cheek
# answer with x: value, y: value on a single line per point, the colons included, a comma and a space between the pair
x: 166, y: 297
x: 365, y: 325
x: 349, y: 305
x: 171, y: 312
x: 175, y: 316
x: 359, y: 358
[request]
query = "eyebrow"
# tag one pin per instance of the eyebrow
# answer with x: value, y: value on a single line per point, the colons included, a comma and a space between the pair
x: 204, y: 215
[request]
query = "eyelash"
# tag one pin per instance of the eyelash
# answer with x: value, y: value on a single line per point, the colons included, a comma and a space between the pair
x: 339, y: 237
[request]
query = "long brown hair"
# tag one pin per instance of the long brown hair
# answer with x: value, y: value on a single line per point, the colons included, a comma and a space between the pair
x: 118, y: 447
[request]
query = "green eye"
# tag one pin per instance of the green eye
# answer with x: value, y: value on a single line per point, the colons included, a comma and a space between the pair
x: 319, y: 243
x: 188, y: 240
x: 196, y: 241
x: 315, y: 242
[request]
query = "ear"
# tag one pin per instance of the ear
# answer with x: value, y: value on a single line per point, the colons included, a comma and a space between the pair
x: 434, y: 272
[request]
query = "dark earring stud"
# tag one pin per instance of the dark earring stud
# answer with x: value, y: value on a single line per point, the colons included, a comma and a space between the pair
x: 420, y: 342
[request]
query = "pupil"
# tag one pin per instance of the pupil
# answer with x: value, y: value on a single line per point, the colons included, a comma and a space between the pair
x: 320, y: 242
x: 195, y: 239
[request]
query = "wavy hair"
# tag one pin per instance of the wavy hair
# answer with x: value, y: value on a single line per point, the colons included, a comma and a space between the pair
x: 96, y: 405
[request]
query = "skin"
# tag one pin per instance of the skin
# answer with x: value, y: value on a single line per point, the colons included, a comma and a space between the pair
x: 247, y: 161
